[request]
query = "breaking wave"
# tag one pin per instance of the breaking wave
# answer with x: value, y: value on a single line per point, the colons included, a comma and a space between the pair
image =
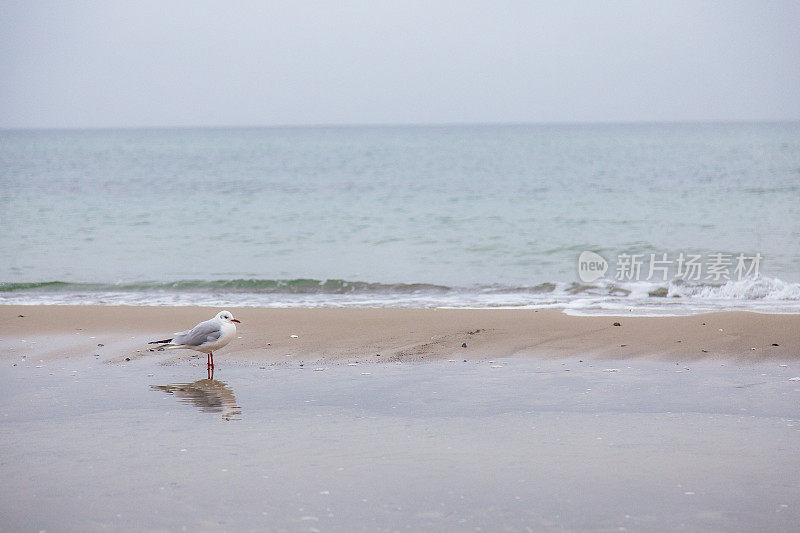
x: 762, y: 294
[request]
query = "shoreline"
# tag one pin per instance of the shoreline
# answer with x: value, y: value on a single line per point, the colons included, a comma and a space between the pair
x: 343, y: 335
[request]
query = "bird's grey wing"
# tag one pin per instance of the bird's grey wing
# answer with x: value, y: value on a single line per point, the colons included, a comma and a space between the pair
x: 202, y: 333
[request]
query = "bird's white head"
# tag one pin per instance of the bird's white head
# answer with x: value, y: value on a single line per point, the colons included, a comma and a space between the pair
x: 226, y: 316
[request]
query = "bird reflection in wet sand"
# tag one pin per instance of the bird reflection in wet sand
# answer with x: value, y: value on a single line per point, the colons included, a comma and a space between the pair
x: 208, y: 395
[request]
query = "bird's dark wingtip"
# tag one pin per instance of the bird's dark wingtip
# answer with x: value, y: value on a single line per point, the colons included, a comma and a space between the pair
x: 160, y: 342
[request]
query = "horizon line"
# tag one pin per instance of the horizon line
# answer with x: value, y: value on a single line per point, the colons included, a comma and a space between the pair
x: 365, y: 125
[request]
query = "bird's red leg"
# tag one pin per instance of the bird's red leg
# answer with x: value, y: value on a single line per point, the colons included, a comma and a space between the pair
x: 211, y: 355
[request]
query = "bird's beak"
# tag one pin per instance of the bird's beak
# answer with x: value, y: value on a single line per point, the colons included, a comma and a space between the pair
x: 234, y: 320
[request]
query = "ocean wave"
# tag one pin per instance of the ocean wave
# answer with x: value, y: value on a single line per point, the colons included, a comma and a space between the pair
x: 604, y: 296
x: 267, y: 286
x: 762, y: 288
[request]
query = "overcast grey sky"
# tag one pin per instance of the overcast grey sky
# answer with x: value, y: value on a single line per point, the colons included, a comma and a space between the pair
x: 186, y: 63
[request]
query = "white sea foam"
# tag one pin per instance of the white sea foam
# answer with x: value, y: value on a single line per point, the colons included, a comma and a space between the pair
x: 762, y: 288
x: 676, y: 297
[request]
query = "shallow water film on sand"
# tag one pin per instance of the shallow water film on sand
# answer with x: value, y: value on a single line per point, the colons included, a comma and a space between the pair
x: 517, y: 445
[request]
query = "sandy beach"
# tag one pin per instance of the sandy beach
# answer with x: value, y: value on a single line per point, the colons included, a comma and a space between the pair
x: 332, y: 336
x: 380, y: 420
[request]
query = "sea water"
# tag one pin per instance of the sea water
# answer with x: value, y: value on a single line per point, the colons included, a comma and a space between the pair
x: 465, y: 216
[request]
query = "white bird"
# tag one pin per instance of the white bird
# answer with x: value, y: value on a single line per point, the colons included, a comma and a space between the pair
x: 205, y: 337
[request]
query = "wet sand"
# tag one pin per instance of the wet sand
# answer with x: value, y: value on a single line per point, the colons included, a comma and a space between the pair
x: 349, y: 335
x: 544, y: 427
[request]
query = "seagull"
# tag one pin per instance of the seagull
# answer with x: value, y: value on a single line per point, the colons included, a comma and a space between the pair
x: 205, y: 337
